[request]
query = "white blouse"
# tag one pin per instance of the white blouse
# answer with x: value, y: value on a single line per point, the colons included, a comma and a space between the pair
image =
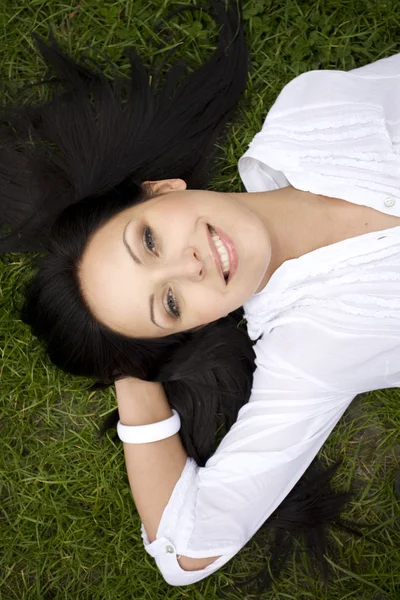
x: 329, y: 320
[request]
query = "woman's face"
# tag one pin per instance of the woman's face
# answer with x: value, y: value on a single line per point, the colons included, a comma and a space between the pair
x: 156, y: 268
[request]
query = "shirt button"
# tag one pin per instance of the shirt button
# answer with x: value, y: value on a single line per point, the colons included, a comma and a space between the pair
x: 389, y: 202
x: 170, y: 549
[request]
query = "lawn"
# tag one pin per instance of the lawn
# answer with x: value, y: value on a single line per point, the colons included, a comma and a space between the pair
x: 69, y: 528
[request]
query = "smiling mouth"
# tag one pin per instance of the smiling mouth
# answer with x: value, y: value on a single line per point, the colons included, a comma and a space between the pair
x: 222, y: 253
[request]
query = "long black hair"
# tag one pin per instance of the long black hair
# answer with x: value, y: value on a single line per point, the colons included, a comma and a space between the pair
x: 70, y: 163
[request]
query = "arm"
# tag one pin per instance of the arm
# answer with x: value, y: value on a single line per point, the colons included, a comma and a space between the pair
x: 308, y: 371
x: 153, y: 469
x: 212, y: 511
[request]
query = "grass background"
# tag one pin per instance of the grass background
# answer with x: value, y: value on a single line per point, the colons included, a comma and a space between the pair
x: 68, y: 525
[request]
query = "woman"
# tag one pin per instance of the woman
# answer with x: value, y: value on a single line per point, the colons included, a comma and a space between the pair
x: 145, y: 273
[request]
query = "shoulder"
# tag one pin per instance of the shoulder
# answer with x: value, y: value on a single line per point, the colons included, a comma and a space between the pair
x: 326, y: 87
x: 320, y: 350
x: 312, y: 88
x: 334, y: 133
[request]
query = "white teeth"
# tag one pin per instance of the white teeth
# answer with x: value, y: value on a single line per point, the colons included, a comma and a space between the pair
x: 223, y: 253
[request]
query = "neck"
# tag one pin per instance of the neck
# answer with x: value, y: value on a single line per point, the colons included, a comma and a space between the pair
x: 297, y: 222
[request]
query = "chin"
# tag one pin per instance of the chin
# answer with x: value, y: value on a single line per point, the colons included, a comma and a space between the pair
x: 262, y: 283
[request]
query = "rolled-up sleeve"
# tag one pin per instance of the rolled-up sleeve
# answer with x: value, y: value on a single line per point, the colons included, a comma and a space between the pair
x: 214, y: 510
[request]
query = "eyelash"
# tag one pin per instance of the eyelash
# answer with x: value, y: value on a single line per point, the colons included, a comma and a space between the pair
x: 148, y: 232
x: 174, y: 310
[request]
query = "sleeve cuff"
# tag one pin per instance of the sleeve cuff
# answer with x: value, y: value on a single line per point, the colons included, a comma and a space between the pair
x: 164, y: 553
x: 163, y: 549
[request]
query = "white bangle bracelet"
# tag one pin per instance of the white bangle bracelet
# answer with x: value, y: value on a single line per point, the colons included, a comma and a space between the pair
x: 142, y: 434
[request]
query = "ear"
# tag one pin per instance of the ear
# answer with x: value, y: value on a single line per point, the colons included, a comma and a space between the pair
x: 166, y: 185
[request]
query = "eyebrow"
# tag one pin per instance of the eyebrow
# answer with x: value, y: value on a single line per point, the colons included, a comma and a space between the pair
x: 152, y: 312
x: 127, y: 246
x: 135, y: 258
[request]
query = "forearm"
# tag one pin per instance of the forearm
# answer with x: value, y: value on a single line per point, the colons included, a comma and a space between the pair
x: 153, y: 468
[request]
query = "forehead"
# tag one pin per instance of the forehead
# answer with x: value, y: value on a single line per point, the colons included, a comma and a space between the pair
x: 113, y: 285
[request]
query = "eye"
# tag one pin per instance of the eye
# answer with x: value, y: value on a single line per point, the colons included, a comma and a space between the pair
x: 172, y: 306
x: 149, y: 240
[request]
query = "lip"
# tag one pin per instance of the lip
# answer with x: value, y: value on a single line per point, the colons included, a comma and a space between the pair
x: 215, y: 255
x: 231, y: 249
x: 232, y: 252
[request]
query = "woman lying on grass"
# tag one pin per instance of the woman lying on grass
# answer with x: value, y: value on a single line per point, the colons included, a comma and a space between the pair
x: 145, y: 273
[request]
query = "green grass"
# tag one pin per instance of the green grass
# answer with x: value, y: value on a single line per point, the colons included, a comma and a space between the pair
x: 68, y: 525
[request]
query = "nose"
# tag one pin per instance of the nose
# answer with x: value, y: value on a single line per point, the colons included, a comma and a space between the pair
x: 188, y: 265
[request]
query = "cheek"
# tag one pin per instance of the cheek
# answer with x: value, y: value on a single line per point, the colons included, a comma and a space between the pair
x: 206, y: 306
x: 171, y: 211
